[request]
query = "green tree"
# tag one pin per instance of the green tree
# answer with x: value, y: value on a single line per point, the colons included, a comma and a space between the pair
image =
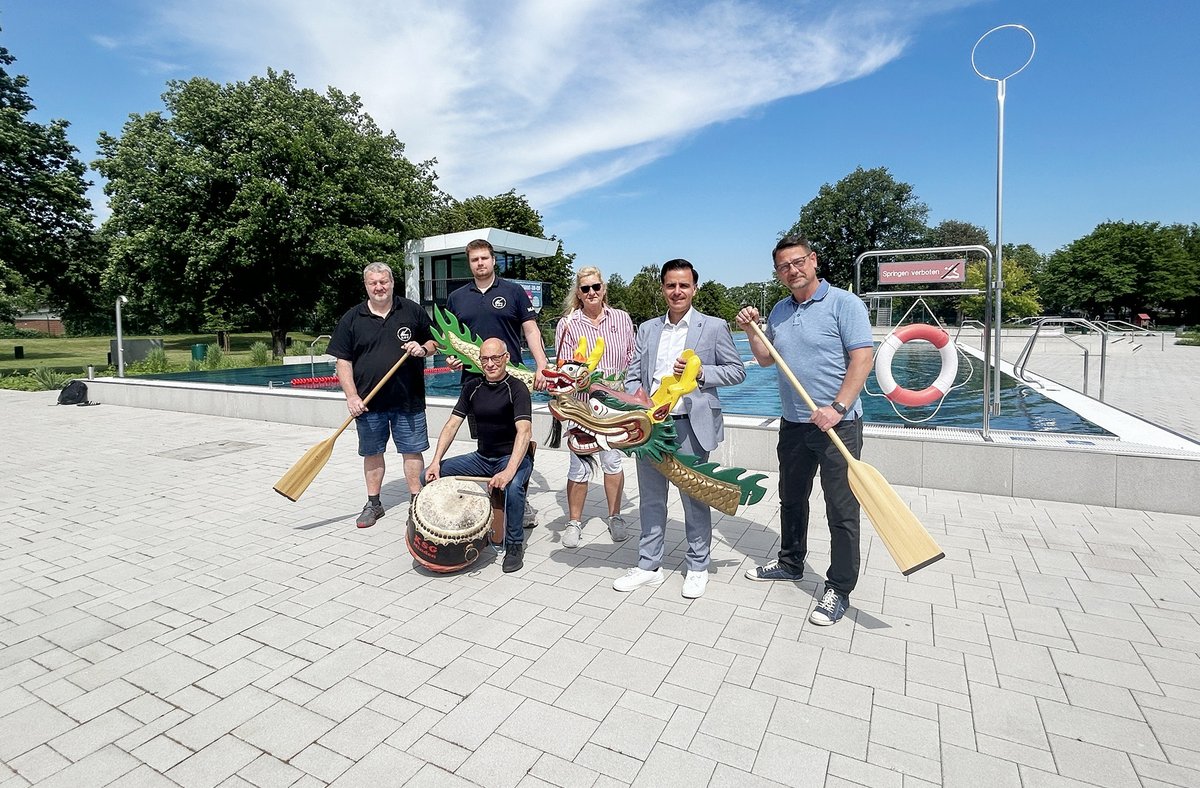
x: 1174, y: 276
x: 1125, y: 267
x: 509, y: 211
x: 558, y: 272
x: 643, y: 296
x: 616, y: 291
x: 255, y: 197
x: 1019, y: 297
x: 866, y: 210
x: 761, y: 295
x: 955, y: 232
x: 1188, y: 310
x: 47, y: 252
x: 712, y: 298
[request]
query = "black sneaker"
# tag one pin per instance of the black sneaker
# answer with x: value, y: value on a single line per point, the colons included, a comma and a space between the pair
x: 773, y: 571
x: 830, y: 609
x: 514, y: 557
x: 370, y: 514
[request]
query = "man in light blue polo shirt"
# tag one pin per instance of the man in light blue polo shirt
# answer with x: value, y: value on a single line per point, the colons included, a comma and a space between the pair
x: 824, y: 335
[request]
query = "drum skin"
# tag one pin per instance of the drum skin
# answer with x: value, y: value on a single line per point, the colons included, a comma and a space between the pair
x: 448, y: 524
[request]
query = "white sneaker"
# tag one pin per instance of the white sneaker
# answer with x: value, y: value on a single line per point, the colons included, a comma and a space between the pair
x: 531, y: 517
x: 694, y: 584
x: 571, y: 534
x: 638, y: 577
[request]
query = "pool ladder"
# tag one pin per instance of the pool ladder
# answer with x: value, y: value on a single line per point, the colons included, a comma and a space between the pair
x: 312, y: 357
x: 1086, y: 325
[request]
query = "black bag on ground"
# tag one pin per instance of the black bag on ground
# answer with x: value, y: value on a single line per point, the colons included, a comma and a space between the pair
x: 73, y: 393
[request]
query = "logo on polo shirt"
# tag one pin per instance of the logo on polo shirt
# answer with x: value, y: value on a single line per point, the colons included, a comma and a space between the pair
x: 499, y: 303
x: 404, y: 334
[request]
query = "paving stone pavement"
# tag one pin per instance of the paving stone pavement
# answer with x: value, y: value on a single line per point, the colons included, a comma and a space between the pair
x: 167, y: 619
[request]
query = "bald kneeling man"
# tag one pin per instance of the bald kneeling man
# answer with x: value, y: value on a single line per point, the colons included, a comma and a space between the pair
x: 502, y: 411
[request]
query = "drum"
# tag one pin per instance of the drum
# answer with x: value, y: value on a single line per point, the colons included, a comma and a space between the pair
x: 448, y: 524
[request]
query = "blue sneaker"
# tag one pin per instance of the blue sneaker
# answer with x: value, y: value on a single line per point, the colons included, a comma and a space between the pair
x: 830, y: 609
x: 773, y: 571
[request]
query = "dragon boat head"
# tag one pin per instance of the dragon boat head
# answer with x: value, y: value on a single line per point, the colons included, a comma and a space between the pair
x: 577, y: 373
x: 612, y: 420
x: 638, y: 425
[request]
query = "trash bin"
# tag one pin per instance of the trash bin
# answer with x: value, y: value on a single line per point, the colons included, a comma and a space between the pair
x: 199, y: 352
x: 18, y: 351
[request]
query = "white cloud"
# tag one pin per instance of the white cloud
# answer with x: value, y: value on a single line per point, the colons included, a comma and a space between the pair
x: 551, y: 97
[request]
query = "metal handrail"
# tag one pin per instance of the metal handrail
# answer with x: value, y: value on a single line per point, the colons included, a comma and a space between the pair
x: 1088, y: 325
x: 1127, y: 329
x: 973, y: 323
x: 312, y: 356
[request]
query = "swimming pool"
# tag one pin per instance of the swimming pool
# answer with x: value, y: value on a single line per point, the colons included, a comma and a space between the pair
x: 915, y: 366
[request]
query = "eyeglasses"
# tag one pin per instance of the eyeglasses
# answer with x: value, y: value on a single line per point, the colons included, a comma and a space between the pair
x: 591, y: 288
x: 494, y: 359
x: 798, y: 263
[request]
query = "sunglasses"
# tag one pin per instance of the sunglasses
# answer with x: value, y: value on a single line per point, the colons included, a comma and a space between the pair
x: 591, y: 288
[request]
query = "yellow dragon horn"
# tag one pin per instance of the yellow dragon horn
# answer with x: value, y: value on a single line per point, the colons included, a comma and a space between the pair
x: 593, y: 359
x: 673, y: 389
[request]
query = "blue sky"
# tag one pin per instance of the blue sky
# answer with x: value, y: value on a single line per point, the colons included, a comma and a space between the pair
x: 649, y: 130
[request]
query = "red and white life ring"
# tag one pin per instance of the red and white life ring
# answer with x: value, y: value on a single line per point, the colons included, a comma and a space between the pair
x: 887, y: 352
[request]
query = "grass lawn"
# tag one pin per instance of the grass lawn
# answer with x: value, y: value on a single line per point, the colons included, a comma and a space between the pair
x: 74, y: 354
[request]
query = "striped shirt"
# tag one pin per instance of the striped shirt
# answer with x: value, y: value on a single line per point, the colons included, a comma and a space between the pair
x: 615, y: 328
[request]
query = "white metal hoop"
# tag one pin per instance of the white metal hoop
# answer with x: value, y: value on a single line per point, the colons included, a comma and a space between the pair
x: 1028, y: 60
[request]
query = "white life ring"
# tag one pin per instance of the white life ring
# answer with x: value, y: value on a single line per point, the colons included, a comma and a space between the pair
x: 887, y: 352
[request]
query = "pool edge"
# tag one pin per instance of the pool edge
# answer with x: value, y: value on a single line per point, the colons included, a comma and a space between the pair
x: 1115, y: 474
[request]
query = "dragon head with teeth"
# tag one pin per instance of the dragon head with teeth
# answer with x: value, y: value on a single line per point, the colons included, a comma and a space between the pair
x: 638, y: 425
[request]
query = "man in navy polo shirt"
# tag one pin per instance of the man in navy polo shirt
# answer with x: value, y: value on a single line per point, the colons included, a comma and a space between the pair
x: 501, y: 409
x: 368, y: 341
x: 492, y: 306
x: 823, y: 333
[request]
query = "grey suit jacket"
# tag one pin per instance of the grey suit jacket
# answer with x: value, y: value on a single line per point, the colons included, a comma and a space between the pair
x: 721, y: 365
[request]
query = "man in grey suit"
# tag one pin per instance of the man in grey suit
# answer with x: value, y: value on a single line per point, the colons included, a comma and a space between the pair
x: 660, y: 345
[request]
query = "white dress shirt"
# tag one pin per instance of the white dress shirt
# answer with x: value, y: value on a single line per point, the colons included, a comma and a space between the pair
x: 670, y: 347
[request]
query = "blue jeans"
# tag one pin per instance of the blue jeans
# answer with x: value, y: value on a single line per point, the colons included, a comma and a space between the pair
x: 475, y: 464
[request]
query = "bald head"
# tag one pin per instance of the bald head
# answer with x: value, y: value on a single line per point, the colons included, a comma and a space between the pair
x: 494, y: 356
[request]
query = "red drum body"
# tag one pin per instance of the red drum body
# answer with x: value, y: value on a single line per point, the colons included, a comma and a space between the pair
x: 448, y: 524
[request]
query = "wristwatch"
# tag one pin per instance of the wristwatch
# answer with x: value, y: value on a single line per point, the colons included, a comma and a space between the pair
x: 839, y: 407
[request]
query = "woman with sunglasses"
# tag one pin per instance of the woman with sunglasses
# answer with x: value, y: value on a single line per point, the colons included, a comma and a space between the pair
x: 586, y: 313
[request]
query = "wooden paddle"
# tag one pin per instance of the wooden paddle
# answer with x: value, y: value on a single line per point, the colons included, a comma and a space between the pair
x: 293, y: 483
x: 910, y: 545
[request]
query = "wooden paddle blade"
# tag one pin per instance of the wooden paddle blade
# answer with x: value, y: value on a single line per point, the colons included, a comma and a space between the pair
x: 909, y: 544
x: 293, y: 483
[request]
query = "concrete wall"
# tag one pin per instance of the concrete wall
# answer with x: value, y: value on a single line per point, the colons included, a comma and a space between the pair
x: 1133, y: 480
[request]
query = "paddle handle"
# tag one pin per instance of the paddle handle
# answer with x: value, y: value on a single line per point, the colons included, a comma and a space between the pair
x: 783, y: 367
x: 373, y: 392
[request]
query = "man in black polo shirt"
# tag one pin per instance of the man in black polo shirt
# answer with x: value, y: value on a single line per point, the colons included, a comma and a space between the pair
x: 501, y: 408
x: 368, y: 340
x: 494, y: 307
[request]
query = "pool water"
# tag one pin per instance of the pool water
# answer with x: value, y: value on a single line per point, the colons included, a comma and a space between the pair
x: 915, y: 366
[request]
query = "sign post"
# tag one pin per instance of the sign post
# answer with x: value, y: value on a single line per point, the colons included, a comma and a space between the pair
x: 1001, y: 87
